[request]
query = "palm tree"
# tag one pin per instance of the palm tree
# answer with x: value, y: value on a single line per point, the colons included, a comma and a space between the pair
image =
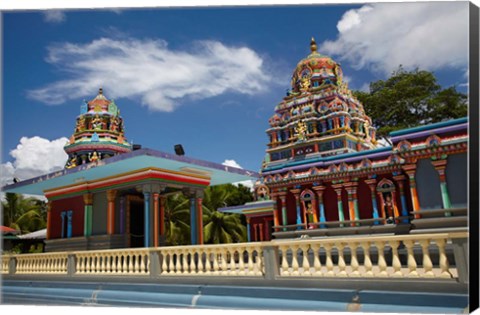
x: 24, y: 214
x: 177, y: 218
x: 221, y: 227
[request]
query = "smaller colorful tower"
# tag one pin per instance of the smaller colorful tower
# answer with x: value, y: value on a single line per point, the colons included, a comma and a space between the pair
x: 99, y: 133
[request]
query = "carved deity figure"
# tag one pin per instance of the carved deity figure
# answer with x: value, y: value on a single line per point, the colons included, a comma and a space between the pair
x: 310, y: 215
x: 114, y: 123
x: 301, y: 130
x: 81, y: 124
x: 97, y: 123
x: 72, y: 162
x: 93, y: 156
x: 366, y: 127
x: 305, y: 84
x: 389, y: 209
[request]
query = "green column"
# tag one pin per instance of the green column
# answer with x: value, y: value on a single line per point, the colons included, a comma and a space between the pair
x: 284, y: 212
x: 88, y: 213
x: 445, y: 198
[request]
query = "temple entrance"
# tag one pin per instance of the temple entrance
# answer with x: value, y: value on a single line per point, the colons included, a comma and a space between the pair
x: 135, y: 221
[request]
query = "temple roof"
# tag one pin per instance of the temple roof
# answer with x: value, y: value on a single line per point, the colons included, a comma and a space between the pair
x: 132, y: 162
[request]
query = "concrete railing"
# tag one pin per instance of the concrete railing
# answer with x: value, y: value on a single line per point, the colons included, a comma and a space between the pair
x: 402, y: 256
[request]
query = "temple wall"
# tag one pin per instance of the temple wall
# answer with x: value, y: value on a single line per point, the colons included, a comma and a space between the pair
x: 330, y: 203
x: 77, y: 206
x: 99, y: 215
x: 457, y: 179
x: 428, y: 185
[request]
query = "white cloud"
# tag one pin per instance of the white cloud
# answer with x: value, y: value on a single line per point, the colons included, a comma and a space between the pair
x: 150, y: 71
x: 34, y: 157
x: 382, y: 36
x: 246, y: 183
x: 54, y: 16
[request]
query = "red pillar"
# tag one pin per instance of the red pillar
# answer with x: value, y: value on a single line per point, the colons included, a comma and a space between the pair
x: 156, y: 220
x: 49, y: 219
x: 162, y: 215
x: 111, y: 194
x: 255, y: 235
x: 199, y: 221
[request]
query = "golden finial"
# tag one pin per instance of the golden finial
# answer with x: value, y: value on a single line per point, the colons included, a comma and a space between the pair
x: 313, y: 45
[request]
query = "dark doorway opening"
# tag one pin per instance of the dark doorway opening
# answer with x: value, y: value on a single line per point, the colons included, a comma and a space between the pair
x: 137, y: 229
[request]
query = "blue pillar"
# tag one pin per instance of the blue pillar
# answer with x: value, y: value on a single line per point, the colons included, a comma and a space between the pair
x: 321, y: 206
x: 146, y: 198
x: 69, y: 223
x: 299, y: 216
x: 193, y: 222
x: 63, y: 223
x: 249, y: 237
x: 375, y: 209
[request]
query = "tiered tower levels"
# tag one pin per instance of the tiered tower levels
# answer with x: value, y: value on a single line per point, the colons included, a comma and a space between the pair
x: 319, y: 116
x: 99, y: 133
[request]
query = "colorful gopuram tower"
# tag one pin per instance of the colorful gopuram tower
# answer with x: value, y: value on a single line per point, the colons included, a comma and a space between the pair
x: 99, y: 133
x: 319, y: 115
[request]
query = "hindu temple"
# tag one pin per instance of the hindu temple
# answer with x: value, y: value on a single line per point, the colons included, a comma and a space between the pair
x: 324, y: 174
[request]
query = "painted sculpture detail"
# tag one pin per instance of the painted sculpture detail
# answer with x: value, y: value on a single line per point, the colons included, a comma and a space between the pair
x: 98, y: 134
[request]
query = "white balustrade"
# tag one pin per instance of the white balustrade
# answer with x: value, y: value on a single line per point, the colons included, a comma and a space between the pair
x: 398, y: 256
x: 45, y: 263
x: 372, y: 256
x: 212, y: 260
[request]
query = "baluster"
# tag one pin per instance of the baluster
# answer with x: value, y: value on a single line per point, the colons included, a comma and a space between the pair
x: 295, y: 266
x: 223, y: 260
x: 163, y: 255
x: 396, y: 264
x: 241, y: 262
x: 171, y: 263
x: 412, y: 264
x: 137, y: 263
x: 97, y: 264
x: 259, y: 262
x: 108, y: 257
x: 250, y: 261
x: 192, y: 266
x: 178, y: 262
x: 427, y: 262
x: 146, y: 259
x: 329, y: 262
x: 184, y: 262
x: 208, y: 262
x: 317, y: 266
x: 382, y: 264
x: 341, y: 261
x: 284, y: 267
x: 354, y: 260
x: 305, y: 262
x: 367, y: 262
x: 444, y: 267
x: 200, y: 262
x: 103, y: 266
x: 125, y: 262
x: 232, y: 269
x: 131, y: 265
x: 216, y: 267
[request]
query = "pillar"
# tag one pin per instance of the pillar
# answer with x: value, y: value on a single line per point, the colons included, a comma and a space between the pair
x: 260, y: 231
x: 267, y: 232
x: 255, y: 235
x: 122, y: 215
x: 284, y: 211
x: 146, y: 204
x: 63, y: 214
x: 352, y: 202
x: 276, y: 221
x: 296, y: 193
x: 338, y: 190
x: 87, y: 217
x: 403, y: 201
x: 440, y: 166
x: 372, y: 183
x: 156, y: 220
x: 162, y: 215
x: 69, y: 223
x: 321, y: 208
x: 49, y: 219
x: 193, y: 221
x: 249, y: 237
x: 410, y: 169
x: 199, y: 221
x: 111, y: 194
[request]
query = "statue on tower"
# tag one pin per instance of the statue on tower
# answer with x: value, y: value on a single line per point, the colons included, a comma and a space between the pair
x: 301, y: 130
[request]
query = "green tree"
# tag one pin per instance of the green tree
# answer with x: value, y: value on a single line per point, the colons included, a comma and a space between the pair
x: 408, y: 99
x: 24, y: 214
x: 177, y: 220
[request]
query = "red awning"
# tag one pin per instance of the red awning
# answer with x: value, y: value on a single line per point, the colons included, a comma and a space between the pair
x: 6, y: 229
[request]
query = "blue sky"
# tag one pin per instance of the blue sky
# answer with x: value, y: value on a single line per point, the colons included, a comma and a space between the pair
x: 208, y: 78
